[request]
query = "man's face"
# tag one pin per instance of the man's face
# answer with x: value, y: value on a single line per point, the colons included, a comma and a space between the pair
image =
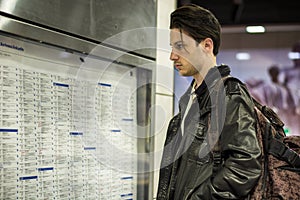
x: 187, y: 54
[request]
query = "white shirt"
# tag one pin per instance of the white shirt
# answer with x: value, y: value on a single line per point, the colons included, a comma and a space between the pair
x: 192, y: 98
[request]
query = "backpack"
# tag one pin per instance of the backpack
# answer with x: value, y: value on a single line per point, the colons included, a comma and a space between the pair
x: 280, y: 178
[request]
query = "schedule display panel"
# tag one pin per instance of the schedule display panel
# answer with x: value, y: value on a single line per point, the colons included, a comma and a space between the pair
x: 68, y: 125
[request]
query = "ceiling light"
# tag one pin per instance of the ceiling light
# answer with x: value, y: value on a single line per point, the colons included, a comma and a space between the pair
x: 242, y: 56
x: 294, y: 55
x: 255, y: 29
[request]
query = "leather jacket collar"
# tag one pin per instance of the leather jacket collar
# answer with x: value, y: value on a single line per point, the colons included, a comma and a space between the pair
x: 213, y: 75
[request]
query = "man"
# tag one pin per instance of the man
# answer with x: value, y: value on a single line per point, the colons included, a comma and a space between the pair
x: 190, y: 167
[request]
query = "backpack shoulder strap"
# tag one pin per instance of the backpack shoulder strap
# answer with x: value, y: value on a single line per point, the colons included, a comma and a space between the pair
x: 281, y: 151
x: 231, y: 86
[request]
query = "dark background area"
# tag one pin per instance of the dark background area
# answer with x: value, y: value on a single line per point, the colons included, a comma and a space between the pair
x: 251, y: 12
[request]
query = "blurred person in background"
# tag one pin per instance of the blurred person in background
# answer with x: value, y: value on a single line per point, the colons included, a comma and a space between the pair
x: 292, y: 76
x: 291, y: 80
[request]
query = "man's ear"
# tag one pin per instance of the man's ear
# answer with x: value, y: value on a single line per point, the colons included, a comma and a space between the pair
x: 208, y: 44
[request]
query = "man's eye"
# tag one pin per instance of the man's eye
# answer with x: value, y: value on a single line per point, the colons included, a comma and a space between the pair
x: 179, y: 46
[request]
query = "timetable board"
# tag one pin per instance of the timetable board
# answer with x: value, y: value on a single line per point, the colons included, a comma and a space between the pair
x: 67, y: 131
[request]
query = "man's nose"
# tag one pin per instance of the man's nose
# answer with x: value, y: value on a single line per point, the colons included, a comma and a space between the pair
x: 173, y: 56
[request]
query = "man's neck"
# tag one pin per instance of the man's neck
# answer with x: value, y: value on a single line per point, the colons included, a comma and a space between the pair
x: 199, y: 77
x: 198, y: 80
x: 210, y: 63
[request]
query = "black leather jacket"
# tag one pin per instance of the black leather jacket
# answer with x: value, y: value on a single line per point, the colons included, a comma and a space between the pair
x: 187, y: 165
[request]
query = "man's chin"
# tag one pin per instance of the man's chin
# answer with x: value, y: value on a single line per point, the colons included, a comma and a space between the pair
x: 181, y: 73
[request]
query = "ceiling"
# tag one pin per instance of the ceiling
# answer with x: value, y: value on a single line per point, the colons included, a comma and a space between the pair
x: 281, y: 20
x: 251, y: 12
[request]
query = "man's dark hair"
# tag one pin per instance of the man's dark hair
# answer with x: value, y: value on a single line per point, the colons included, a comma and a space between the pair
x: 197, y: 22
